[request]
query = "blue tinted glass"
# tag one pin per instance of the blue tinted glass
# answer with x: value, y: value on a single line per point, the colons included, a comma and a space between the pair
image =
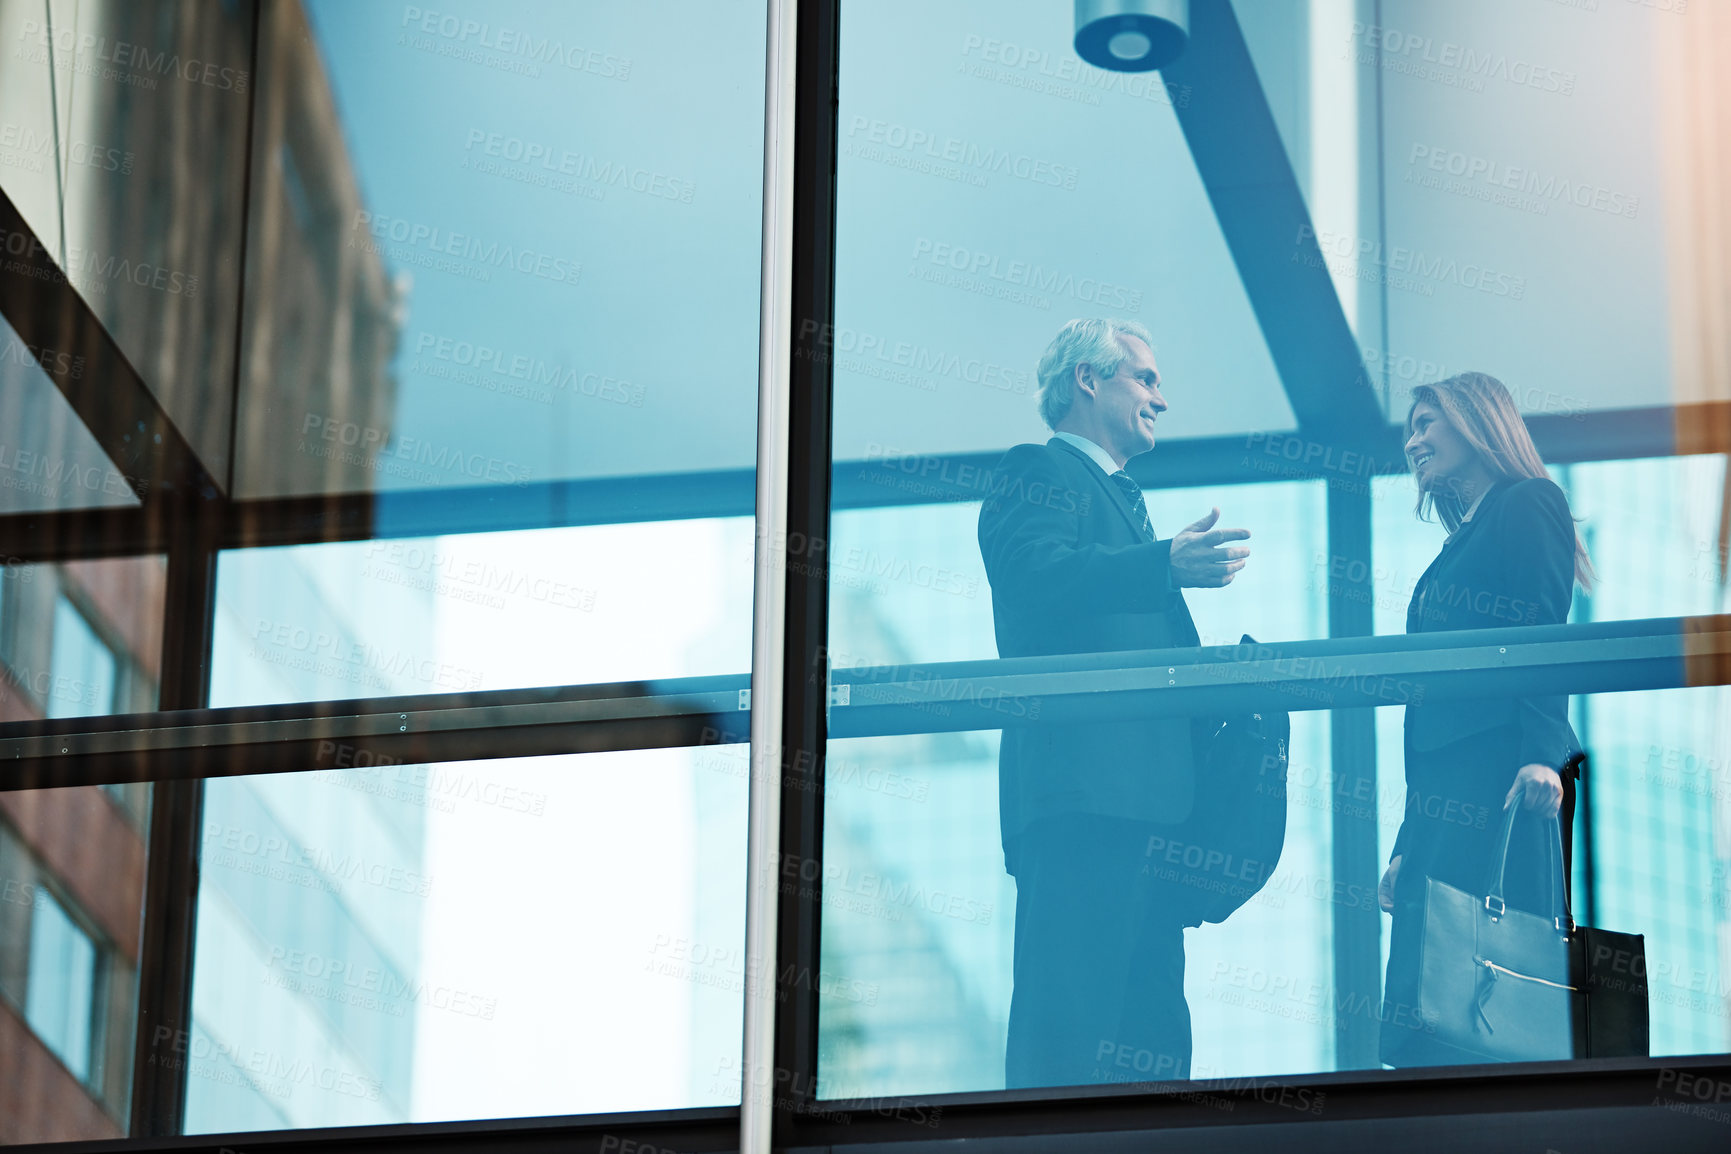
x: 1459, y: 160
x: 1443, y: 189
x: 483, y: 611
x: 83, y: 669
x: 916, y: 900
x: 81, y: 638
x: 425, y: 942
x: 971, y: 180
x: 523, y: 238
x: 60, y: 990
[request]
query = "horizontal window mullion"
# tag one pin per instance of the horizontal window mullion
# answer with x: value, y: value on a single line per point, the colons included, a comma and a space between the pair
x: 1659, y: 653
x: 250, y: 740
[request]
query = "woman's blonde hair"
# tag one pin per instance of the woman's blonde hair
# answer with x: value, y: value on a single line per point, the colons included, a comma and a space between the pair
x: 1480, y: 409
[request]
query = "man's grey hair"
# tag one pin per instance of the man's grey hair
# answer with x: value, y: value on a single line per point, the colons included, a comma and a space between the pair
x: 1095, y: 341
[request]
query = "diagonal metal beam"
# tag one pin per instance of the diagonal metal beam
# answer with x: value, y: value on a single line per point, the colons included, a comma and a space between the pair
x: 1243, y: 164
x: 90, y: 370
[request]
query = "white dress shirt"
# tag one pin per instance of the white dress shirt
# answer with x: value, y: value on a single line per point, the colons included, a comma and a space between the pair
x: 1095, y: 453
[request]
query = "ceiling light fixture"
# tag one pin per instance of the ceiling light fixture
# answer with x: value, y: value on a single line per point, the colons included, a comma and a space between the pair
x: 1132, y: 35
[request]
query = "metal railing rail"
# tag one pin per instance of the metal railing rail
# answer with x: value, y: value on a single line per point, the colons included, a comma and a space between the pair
x: 876, y: 700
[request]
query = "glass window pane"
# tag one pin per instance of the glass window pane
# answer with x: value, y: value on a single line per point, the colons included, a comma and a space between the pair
x: 77, y: 638
x: 1660, y: 797
x: 71, y: 888
x: 82, y: 669
x: 963, y: 173
x: 60, y: 988
x: 81, y: 638
x: 1477, y: 182
x: 1324, y: 106
x: 127, y: 159
x: 524, y: 937
x: 916, y: 817
x: 919, y: 922
x: 483, y: 611
x: 1527, y: 189
x: 963, y: 178
x: 48, y: 458
x: 471, y: 228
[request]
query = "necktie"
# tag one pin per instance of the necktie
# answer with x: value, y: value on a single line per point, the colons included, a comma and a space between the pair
x: 1133, y: 494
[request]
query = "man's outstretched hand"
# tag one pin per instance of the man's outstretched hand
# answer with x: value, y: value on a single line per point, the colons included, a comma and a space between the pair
x: 1198, y: 559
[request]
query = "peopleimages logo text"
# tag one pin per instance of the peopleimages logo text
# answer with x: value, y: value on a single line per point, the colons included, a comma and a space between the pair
x: 555, y: 159
x: 1023, y: 274
x: 122, y: 54
x: 1403, y: 267
x: 981, y: 158
x: 1475, y: 63
x: 1542, y: 187
x: 444, y: 242
x: 515, y: 42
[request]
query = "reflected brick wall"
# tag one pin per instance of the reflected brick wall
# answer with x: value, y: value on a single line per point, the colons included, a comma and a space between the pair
x: 84, y: 845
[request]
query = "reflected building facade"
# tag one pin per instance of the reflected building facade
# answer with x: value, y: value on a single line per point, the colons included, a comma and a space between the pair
x: 76, y: 639
x: 150, y: 241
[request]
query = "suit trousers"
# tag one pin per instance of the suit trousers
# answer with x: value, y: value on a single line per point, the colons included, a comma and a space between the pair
x: 1099, y: 959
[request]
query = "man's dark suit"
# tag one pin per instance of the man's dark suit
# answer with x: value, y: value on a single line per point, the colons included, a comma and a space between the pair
x: 1099, y: 963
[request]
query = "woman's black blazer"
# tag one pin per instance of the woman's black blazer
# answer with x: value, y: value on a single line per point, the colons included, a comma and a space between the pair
x: 1513, y: 563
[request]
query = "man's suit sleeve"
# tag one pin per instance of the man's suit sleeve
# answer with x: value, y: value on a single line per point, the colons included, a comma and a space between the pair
x: 1537, y: 538
x: 1029, y: 538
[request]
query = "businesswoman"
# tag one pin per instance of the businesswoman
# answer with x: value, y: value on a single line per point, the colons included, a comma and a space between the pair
x: 1511, y: 557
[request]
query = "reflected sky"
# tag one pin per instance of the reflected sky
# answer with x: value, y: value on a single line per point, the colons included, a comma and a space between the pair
x: 990, y: 188
x: 572, y: 198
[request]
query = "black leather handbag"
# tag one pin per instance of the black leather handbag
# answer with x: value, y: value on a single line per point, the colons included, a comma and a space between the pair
x: 1498, y: 984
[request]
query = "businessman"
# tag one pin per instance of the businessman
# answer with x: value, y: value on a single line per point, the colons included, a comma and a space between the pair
x: 1075, y: 567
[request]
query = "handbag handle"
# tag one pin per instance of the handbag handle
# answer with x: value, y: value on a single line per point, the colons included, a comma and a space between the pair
x: 1561, y: 914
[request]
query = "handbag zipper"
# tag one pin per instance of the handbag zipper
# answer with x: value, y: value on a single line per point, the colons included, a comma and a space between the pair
x: 1490, y: 965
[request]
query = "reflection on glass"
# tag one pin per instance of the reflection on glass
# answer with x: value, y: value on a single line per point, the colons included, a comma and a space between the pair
x: 471, y: 231
x: 482, y: 611
x: 990, y: 187
x: 1477, y: 184
x: 78, y: 638
x: 82, y: 669
x: 48, y: 459
x: 128, y: 163
x: 425, y: 942
x: 71, y: 886
x: 60, y: 987
x: 1324, y: 107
